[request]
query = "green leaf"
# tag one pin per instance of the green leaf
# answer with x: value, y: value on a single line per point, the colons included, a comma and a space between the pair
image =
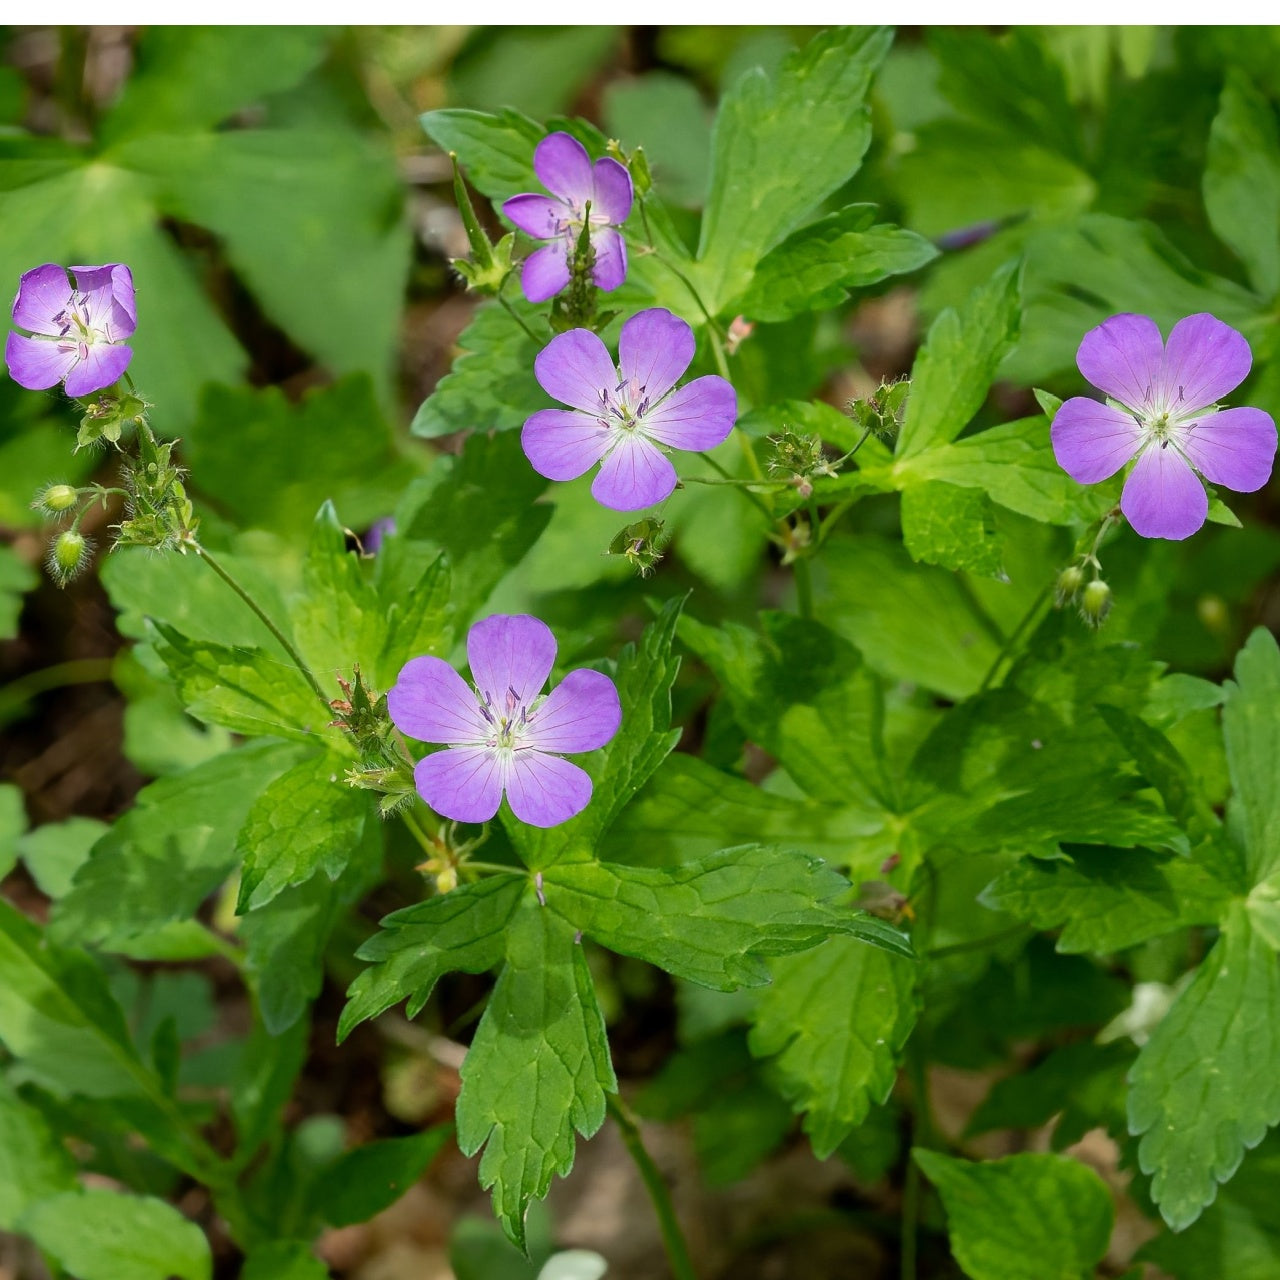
x: 495, y: 150
x: 103, y: 1235
x: 373, y: 1177
x: 33, y: 1163
x: 1026, y: 1217
x: 480, y: 508
x: 55, y: 852
x: 1252, y: 733
x: 817, y: 266
x: 837, y: 1017
x: 306, y: 821
x: 462, y: 931
x: 664, y: 114
x: 1206, y: 1086
x: 713, y: 921
x: 13, y: 822
x: 538, y: 1067
x: 262, y: 1082
x: 17, y: 577
x: 644, y: 675
x: 242, y: 689
x: 1242, y: 181
x: 1107, y: 900
x: 946, y: 525
x: 283, y: 1260
x: 161, y: 860
x: 781, y: 144
x: 955, y: 368
x: 491, y: 385
x: 414, y: 585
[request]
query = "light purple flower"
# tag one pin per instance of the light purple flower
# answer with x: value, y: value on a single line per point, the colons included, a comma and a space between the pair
x: 503, y: 735
x: 1166, y: 418
x: 78, y: 332
x: 621, y: 415
x: 564, y: 168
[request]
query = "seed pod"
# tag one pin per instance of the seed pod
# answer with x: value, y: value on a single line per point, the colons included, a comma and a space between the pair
x: 1095, y: 602
x: 68, y: 556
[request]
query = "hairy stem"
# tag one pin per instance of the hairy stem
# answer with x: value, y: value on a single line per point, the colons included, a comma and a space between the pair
x: 672, y: 1236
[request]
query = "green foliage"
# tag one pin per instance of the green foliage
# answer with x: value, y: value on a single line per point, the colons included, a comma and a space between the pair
x: 16, y: 578
x: 1253, y: 753
x: 1026, y: 1217
x: 33, y: 1166
x: 366, y: 1180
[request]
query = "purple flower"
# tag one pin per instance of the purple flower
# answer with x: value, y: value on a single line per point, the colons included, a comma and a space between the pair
x: 78, y: 332
x: 621, y: 415
x: 564, y: 168
x: 503, y: 735
x: 1166, y: 419
x: 379, y: 532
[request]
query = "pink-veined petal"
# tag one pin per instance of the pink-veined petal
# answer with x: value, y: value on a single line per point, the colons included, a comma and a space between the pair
x: 580, y: 714
x: 537, y: 216
x: 431, y: 702
x: 1233, y: 447
x: 43, y: 292
x: 1092, y: 441
x: 634, y: 475
x: 575, y: 368
x: 613, y: 191
x: 38, y: 363
x: 510, y: 654
x: 109, y: 293
x: 610, y: 268
x: 544, y: 790
x: 1204, y: 359
x: 1124, y: 357
x: 102, y: 367
x: 545, y: 271
x: 654, y: 349
x: 697, y: 416
x: 562, y: 444
x: 1163, y: 497
x: 564, y: 168
x: 462, y: 783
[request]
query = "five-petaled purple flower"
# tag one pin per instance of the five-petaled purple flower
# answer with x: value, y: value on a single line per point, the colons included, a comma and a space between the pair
x: 564, y: 168
x: 502, y: 735
x: 1166, y: 418
x: 621, y: 415
x: 78, y: 332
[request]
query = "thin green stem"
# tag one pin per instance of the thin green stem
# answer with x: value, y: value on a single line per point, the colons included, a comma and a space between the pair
x: 755, y: 499
x: 266, y: 621
x: 910, y: 1220
x: 804, y: 586
x: 672, y: 1236
x: 517, y: 317
x: 428, y: 846
x: 1009, y: 648
x: 712, y: 323
x: 975, y: 944
x: 17, y: 693
x: 492, y: 868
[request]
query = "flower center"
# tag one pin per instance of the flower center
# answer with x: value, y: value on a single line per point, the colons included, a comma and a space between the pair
x: 571, y: 226
x: 73, y: 320
x: 507, y: 723
x: 624, y: 407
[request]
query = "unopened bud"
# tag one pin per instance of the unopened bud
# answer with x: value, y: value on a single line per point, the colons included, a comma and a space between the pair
x: 1070, y: 580
x: 55, y: 499
x: 68, y: 555
x: 641, y: 543
x: 1095, y: 602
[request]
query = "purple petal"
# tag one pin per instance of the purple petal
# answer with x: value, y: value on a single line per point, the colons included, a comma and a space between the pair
x: 580, y: 714
x: 613, y: 192
x: 698, y: 416
x: 654, y: 349
x: 536, y: 216
x: 1203, y: 361
x: 1123, y: 356
x: 562, y: 444
x: 564, y: 168
x: 38, y: 363
x: 430, y: 701
x: 1163, y: 497
x: 101, y: 368
x: 1233, y: 447
x: 1092, y: 441
x: 575, y: 368
x: 635, y: 475
x: 545, y: 271
x: 109, y: 291
x: 610, y: 268
x: 545, y: 790
x: 462, y: 783
x: 510, y: 653
x: 43, y: 293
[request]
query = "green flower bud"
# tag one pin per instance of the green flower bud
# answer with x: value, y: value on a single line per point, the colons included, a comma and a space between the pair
x: 68, y: 556
x: 1070, y: 580
x: 1095, y: 602
x: 56, y: 498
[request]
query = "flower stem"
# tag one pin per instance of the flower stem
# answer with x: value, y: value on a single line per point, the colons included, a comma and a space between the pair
x: 518, y: 318
x: 279, y: 635
x: 804, y: 587
x: 755, y: 498
x: 1009, y: 648
x: 672, y: 1236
